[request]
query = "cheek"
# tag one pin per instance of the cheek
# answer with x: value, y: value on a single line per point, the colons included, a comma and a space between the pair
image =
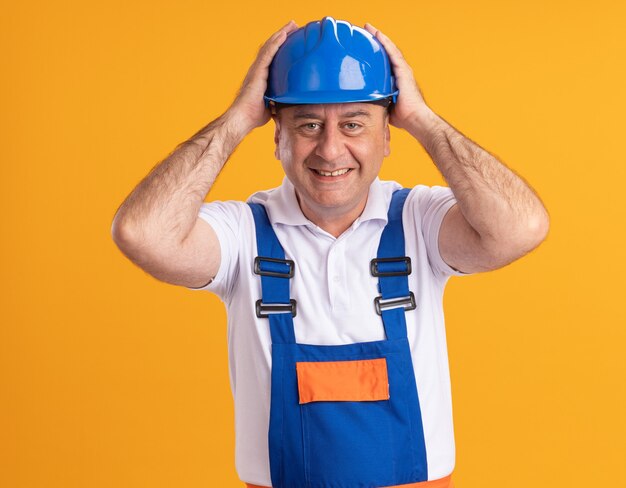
x: 290, y: 159
x: 369, y: 153
x: 297, y: 152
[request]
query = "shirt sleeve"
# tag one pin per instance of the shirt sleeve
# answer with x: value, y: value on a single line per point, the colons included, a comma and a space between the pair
x: 433, y: 204
x: 225, y: 219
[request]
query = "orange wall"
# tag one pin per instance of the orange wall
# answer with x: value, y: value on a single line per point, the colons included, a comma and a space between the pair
x: 110, y: 378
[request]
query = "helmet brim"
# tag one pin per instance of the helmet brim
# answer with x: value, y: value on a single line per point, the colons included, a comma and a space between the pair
x: 329, y: 97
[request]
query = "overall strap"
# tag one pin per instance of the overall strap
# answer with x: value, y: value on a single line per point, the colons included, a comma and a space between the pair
x: 392, y: 267
x: 275, y: 272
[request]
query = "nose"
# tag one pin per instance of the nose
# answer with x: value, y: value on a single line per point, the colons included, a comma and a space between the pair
x: 330, y: 145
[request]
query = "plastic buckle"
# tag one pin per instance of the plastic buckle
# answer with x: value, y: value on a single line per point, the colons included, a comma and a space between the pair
x: 374, y: 266
x: 263, y: 310
x: 408, y: 303
x: 259, y: 271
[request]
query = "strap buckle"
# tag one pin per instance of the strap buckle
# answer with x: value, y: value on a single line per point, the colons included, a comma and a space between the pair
x: 263, y: 310
x: 374, y: 268
x: 276, y: 272
x: 408, y: 303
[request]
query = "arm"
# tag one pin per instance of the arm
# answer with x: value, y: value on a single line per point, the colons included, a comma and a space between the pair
x: 157, y: 226
x: 498, y: 218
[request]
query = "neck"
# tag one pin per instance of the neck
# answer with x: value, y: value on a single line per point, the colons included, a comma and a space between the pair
x: 334, y: 220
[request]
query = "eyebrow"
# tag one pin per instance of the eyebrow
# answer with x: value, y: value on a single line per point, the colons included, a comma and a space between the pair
x: 310, y: 115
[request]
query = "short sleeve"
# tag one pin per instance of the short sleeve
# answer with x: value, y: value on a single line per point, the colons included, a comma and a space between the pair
x: 226, y: 219
x: 432, y: 205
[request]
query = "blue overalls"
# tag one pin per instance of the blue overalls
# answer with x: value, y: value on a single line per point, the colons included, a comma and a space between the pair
x: 357, y: 423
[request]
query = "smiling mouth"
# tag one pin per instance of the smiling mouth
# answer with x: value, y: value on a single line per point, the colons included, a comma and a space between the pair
x: 339, y: 172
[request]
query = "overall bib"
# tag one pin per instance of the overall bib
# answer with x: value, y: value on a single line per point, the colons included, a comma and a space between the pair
x: 342, y: 416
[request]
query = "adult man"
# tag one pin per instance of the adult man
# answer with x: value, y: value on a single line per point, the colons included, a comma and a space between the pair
x: 338, y: 362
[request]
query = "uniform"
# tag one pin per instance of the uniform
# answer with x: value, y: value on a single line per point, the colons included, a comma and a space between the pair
x: 335, y: 290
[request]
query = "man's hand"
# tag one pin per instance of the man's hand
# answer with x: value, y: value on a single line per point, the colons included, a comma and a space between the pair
x: 157, y: 226
x: 249, y: 106
x: 498, y: 217
x: 410, y: 102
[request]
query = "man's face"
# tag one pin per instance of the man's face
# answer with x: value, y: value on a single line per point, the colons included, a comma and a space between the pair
x: 313, y: 141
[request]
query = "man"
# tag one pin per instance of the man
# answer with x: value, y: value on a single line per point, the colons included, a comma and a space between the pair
x: 334, y: 280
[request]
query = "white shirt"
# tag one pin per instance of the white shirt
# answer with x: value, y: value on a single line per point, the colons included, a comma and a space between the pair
x: 335, y: 298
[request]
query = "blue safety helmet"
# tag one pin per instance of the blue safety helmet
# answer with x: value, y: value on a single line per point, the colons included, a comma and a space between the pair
x: 330, y: 61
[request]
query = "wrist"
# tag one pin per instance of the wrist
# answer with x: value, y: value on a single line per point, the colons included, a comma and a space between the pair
x: 423, y: 125
x: 236, y: 124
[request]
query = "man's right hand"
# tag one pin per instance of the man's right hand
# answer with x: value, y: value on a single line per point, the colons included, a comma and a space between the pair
x: 248, y: 107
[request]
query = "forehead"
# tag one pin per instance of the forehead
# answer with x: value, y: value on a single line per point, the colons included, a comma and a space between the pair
x: 329, y: 110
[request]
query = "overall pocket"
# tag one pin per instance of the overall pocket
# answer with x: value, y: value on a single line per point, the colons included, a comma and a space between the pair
x: 357, y: 380
x: 352, y: 423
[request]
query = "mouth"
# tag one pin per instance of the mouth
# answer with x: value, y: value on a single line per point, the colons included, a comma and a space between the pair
x: 331, y: 174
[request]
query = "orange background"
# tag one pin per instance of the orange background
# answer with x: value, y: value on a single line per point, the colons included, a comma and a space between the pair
x: 110, y: 378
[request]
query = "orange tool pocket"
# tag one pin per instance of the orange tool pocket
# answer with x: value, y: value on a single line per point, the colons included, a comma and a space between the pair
x: 358, y: 380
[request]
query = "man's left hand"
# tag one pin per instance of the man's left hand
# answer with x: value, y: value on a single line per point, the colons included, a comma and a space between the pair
x: 410, y: 104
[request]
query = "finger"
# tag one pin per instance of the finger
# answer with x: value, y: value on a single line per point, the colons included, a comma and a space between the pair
x: 260, y: 66
x: 370, y: 28
x: 287, y: 28
x: 273, y: 43
x: 378, y: 33
x: 395, y: 55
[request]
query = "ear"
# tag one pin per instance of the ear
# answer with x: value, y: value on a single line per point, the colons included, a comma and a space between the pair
x: 387, y: 145
x: 276, y: 136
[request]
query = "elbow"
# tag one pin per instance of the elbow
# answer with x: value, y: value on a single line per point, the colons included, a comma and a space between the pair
x: 538, y: 228
x: 122, y: 234
x: 519, y: 241
x: 528, y: 235
x: 118, y: 231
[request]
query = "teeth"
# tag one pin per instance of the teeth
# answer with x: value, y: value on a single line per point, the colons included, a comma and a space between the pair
x: 334, y: 173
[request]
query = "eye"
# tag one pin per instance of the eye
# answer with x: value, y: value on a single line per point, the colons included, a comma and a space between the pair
x: 311, y: 126
x: 352, y: 126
